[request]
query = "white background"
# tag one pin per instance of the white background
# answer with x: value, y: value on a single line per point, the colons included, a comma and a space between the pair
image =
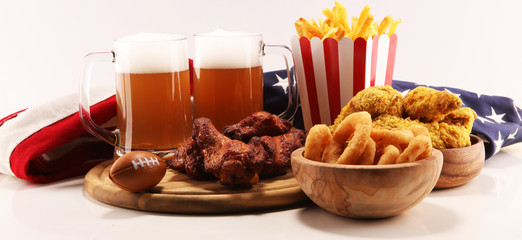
x: 468, y: 44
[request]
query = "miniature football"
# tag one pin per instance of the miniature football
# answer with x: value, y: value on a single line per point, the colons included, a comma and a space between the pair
x: 137, y: 171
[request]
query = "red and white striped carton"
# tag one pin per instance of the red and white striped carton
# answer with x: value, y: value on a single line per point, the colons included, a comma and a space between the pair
x: 330, y: 72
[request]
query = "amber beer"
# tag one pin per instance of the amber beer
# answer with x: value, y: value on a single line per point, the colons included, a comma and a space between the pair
x: 228, y: 95
x: 152, y: 93
x: 228, y: 77
x: 153, y: 109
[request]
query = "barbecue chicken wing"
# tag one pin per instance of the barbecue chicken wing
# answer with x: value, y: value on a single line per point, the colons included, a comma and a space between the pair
x: 233, y: 162
x: 210, y: 154
x: 279, y: 149
x: 258, y: 124
x: 189, y: 159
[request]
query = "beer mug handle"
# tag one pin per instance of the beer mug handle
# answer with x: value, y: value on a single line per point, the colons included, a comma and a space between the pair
x: 293, y: 100
x: 85, y: 115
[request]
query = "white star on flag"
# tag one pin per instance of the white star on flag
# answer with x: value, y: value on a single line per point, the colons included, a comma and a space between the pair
x: 512, y: 135
x: 496, y: 117
x: 518, y: 114
x: 483, y: 119
x: 283, y: 83
x: 405, y: 92
x: 498, y: 143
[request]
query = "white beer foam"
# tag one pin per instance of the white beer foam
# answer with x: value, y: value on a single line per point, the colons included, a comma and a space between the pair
x: 151, y: 53
x: 224, y: 49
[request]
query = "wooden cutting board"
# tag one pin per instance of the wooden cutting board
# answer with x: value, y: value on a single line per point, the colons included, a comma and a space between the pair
x: 176, y: 193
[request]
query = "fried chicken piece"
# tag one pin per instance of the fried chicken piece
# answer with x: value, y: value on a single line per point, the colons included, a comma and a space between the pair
x: 448, y: 135
x: 233, y: 162
x: 258, y: 124
x: 279, y: 149
x: 461, y: 117
x: 189, y: 159
x: 430, y: 105
x: 442, y: 134
x: 374, y: 100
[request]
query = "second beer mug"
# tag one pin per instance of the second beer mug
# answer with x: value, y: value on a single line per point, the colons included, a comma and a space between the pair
x: 228, y: 76
x: 152, y: 93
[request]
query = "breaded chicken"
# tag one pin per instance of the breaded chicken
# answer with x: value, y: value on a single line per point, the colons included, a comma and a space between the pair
x: 430, y: 105
x: 461, y: 117
x: 443, y: 134
x: 374, y: 100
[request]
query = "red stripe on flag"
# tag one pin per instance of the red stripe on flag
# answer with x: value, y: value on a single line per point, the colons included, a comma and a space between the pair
x: 26, y: 159
x: 331, y: 61
x: 11, y: 116
x: 375, y: 47
x: 391, y: 60
x: 359, y: 64
x: 308, y: 66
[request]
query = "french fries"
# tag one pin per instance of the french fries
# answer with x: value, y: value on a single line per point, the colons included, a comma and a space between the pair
x: 337, y: 25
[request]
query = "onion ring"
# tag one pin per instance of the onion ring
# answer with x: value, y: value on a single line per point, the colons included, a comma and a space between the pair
x: 398, y: 137
x: 368, y: 156
x: 318, y: 137
x: 356, y: 128
x: 418, y: 130
x: 389, y: 156
x: 415, y: 149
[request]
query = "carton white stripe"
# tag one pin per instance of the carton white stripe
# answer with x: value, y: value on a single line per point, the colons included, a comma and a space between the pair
x: 301, y: 82
x: 320, y: 80
x: 345, y: 49
x: 368, y: 65
x: 382, y: 60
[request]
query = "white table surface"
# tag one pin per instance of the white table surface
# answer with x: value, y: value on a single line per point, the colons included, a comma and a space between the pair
x: 488, y: 207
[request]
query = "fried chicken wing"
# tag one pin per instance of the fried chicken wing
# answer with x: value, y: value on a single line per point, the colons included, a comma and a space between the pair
x: 233, y: 162
x: 258, y: 124
x: 279, y: 150
x: 430, y: 105
x: 374, y: 100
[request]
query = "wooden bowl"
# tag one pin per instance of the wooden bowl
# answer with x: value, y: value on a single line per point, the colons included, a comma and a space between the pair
x: 366, y: 191
x: 461, y: 164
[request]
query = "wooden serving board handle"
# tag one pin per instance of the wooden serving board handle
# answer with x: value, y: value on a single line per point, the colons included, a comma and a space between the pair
x: 177, y: 193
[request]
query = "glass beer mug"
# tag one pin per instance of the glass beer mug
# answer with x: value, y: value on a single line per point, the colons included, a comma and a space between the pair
x: 228, y: 76
x: 152, y: 93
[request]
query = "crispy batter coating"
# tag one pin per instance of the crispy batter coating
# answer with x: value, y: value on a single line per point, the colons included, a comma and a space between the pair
x: 439, y: 111
x: 442, y: 134
x: 318, y: 137
x: 374, y: 100
x: 461, y: 117
x: 430, y: 105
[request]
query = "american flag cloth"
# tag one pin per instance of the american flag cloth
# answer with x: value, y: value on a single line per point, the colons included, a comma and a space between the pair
x: 499, y: 121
